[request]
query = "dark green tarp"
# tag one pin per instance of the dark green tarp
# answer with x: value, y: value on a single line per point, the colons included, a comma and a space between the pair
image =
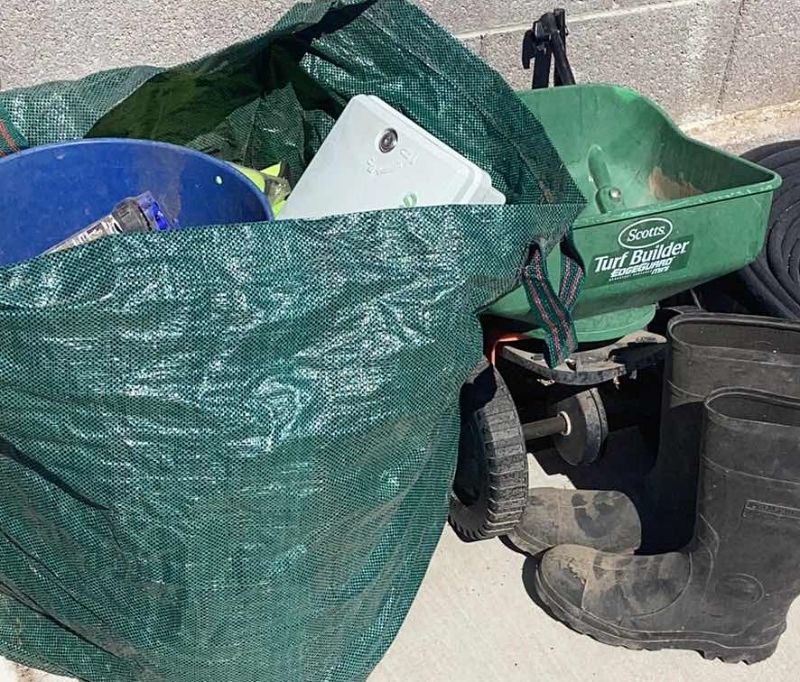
x: 227, y: 451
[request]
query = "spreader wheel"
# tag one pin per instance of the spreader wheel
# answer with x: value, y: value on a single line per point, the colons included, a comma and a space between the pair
x: 490, y: 489
x: 583, y: 441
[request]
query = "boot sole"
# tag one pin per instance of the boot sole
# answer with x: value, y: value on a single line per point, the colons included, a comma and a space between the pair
x: 583, y: 623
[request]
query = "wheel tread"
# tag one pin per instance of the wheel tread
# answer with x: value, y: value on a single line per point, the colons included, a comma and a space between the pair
x: 506, y: 485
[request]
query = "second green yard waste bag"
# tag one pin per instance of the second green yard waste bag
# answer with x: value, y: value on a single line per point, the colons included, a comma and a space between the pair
x: 226, y: 452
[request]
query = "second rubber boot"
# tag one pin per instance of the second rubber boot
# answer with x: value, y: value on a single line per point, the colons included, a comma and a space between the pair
x: 727, y: 594
x: 707, y: 351
x: 605, y: 520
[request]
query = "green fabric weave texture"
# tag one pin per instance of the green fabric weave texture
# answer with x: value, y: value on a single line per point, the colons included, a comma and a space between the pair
x: 226, y: 452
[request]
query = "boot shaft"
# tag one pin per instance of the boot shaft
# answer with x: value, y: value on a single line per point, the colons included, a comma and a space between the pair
x: 709, y: 351
x: 749, y: 503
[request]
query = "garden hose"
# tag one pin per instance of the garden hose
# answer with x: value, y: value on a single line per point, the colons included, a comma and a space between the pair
x: 773, y: 279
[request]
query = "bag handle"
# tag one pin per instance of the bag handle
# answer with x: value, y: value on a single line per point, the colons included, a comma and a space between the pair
x: 553, y: 311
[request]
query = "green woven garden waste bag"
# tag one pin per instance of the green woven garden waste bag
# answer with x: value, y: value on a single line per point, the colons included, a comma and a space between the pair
x: 226, y: 452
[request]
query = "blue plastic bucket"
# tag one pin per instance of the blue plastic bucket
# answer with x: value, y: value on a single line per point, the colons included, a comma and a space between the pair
x: 49, y: 193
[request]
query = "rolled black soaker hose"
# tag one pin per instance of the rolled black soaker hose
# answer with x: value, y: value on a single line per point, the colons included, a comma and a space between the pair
x: 773, y: 279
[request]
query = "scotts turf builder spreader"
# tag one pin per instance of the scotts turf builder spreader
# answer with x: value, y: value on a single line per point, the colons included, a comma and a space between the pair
x: 659, y: 219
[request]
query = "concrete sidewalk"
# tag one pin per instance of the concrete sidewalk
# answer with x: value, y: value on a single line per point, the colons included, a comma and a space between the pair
x: 474, y: 621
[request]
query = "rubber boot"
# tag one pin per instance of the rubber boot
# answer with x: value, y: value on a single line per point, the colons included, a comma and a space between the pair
x: 601, y: 519
x: 707, y: 351
x: 728, y: 593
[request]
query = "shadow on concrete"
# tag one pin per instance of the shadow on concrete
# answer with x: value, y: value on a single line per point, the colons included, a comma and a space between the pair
x: 628, y: 456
